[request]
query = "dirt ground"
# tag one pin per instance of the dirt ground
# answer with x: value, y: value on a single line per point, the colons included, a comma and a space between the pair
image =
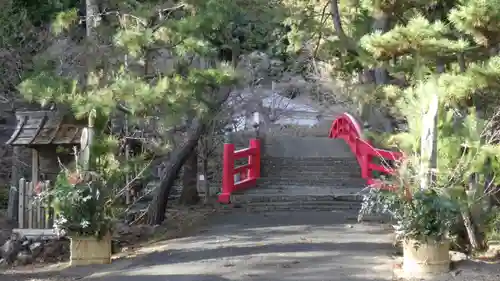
x: 185, y: 221
x: 181, y: 221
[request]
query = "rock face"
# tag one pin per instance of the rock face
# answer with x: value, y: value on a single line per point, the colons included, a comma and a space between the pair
x: 21, y: 250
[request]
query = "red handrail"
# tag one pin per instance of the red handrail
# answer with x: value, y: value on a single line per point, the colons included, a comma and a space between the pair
x: 347, y: 128
x: 249, y: 173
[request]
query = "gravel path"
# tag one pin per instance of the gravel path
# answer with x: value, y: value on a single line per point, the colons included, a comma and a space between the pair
x: 292, y: 246
x: 308, y: 246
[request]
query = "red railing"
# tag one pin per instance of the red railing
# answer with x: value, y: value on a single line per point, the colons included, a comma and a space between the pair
x: 347, y: 128
x: 248, y: 173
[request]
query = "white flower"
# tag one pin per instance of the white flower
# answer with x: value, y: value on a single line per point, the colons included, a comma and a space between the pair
x: 61, y: 220
x: 84, y: 223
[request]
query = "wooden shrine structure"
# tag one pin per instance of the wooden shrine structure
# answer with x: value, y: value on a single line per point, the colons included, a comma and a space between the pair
x: 44, y: 132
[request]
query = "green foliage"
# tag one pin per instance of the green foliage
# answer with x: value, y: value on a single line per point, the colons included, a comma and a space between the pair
x: 463, y: 150
x: 478, y: 19
x: 13, y: 23
x: 493, y: 225
x: 420, y: 214
x: 418, y: 36
x: 467, y: 159
x: 81, y: 208
x: 200, y: 29
x: 4, y: 197
x: 18, y: 17
x: 40, y: 12
x: 252, y: 25
x: 63, y: 20
x: 477, y: 85
x: 426, y: 216
x: 193, y: 38
x: 85, y: 202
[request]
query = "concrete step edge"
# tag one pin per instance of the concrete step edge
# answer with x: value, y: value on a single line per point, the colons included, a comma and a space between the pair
x: 299, y: 198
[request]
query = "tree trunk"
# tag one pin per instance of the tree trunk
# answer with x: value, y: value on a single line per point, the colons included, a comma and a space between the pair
x: 471, y: 232
x: 378, y: 76
x: 475, y: 213
x: 189, y: 194
x: 92, y: 17
x: 156, y: 212
x: 206, y: 187
x: 381, y: 23
x: 346, y: 41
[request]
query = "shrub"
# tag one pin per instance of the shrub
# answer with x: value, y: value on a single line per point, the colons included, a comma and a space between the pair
x: 4, y: 197
x: 420, y: 214
x: 82, y: 207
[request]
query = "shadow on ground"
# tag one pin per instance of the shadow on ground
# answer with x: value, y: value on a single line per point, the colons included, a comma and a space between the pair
x: 309, y: 246
x: 349, y: 248
x: 206, y: 278
x: 306, y: 246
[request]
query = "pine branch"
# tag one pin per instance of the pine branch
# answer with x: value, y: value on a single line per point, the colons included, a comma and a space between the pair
x: 163, y: 15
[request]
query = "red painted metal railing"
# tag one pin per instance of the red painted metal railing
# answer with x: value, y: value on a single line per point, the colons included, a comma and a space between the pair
x: 248, y: 173
x: 347, y: 128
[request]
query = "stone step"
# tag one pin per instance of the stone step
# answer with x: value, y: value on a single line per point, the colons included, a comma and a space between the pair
x: 298, y: 189
x: 307, y: 194
x: 303, y: 164
x: 287, y: 162
x: 307, y: 167
x: 304, y: 190
x: 289, y: 146
x: 305, y: 173
x: 306, y: 181
x: 329, y: 167
x: 313, y: 161
x: 311, y: 174
x: 299, y: 206
x: 315, y: 193
x: 278, y: 198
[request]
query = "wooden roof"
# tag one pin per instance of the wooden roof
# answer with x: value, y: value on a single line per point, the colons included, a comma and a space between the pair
x: 36, y: 128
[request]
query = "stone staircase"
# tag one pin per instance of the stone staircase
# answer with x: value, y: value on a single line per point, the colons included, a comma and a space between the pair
x: 305, y: 173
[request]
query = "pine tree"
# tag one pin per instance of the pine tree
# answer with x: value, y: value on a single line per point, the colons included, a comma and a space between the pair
x: 395, y: 47
x: 455, y: 42
x: 198, y: 35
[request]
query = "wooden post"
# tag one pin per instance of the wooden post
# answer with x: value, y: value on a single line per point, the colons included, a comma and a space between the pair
x: 30, y: 205
x: 49, y: 212
x: 255, y: 159
x: 13, y: 207
x: 22, y: 202
x: 363, y: 153
x: 35, y: 173
x: 40, y: 214
x: 35, y: 177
